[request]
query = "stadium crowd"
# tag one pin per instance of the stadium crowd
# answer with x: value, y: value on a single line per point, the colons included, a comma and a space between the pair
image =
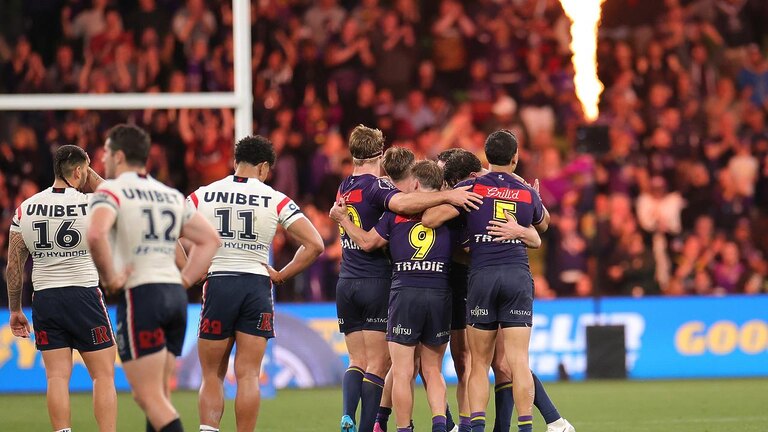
x: 675, y: 203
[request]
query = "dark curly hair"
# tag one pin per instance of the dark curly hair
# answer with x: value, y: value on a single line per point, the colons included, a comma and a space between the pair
x: 459, y: 166
x: 255, y: 150
x: 500, y: 147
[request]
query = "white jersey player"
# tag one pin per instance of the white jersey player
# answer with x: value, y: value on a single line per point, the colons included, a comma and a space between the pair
x: 237, y: 298
x: 68, y: 308
x: 143, y: 219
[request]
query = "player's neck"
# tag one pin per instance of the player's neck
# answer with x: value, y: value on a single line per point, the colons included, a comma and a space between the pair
x: 248, y: 171
x: 509, y: 169
x: 122, y: 169
x: 368, y: 168
x: 61, y: 184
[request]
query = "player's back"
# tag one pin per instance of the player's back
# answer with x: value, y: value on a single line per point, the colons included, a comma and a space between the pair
x: 246, y: 213
x: 149, y: 220
x: 503, y: 195
x: 421, y: 256
x: 53, y: 224
x: 367, y: 197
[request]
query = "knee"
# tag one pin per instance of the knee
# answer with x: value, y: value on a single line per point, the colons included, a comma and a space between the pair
x: 461, y: 363
x: 501, y: 370
x: 378, y: 365
x: 358, y: 361
x: 142, y: 399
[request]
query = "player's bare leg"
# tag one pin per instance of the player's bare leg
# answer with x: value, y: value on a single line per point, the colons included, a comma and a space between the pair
x: 516, y: 340
x: 170, y: 372
x: 214, y: 360
x: 248, y: 357
x: 378, y: 362
x: 481, y: 347
x: 432, y: 371
x: 353, y: 378
x: 461, y: 362
x: 503, y: 388
x: 146, y: 376
x: 58, y: 369
x: 101, y: 367
x: 403, y: 370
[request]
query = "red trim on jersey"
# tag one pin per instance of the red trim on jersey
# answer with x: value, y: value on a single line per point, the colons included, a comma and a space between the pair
x: 18, y: 213
x: 110, y: 193
x: 106, y: 314
x: 282, y: 204
x: 519, y: 195
x: 401, y: 219
x: 353, y: 196
x: 194, y: 199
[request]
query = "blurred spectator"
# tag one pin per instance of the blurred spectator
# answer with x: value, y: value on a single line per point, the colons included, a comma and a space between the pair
x: 192, y: 22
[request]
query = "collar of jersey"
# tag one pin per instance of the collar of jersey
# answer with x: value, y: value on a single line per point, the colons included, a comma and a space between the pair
x: 133, y: 174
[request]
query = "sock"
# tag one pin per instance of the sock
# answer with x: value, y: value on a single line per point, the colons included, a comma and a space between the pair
x: 383, y: 417
x: 405, y: 429
x: 372, y: 388
x: 449, y: 423
x: 477, y: 421
x: 438, y: 423
x: 149, y: 427
x: 65, y: 430
x: 350, y: 390
x: 504, y: 406
x: 206, y: 428
x: 174, y: 426
x: 464, y: 423
x: 542, y: 401
x: 525, y: 423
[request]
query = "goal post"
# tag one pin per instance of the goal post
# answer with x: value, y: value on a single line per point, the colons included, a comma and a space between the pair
x: 241, y: 99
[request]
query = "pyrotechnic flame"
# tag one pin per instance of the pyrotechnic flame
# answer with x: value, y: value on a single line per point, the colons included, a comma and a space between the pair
x: 585, y: 18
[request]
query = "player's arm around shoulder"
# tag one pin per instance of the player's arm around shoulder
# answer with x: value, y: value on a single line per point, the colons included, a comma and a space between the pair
x: 435, y: 216
x: 418, y: 202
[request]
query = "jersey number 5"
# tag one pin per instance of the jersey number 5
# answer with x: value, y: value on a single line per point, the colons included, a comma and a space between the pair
x: 502, y: 210
x: 422, y: 239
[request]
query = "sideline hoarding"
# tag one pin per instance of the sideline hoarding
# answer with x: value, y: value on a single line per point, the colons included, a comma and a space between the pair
x: 690, y: 337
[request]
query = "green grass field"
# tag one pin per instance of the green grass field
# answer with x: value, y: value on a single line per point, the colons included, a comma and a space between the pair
x: 679, y: 406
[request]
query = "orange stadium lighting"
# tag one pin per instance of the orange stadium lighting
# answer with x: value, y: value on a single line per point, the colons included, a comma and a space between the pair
x: 585, y: 19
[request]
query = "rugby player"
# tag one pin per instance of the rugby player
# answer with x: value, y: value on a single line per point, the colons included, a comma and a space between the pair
x: 68, y: 310
x: 237, y: 298
x: 462, y: 167
x: 500, y: 290
x: 419, y: 304
x: 362, y: 292
x: 146, y: 218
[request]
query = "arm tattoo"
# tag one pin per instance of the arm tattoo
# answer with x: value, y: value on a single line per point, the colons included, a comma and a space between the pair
x: 17, y: 257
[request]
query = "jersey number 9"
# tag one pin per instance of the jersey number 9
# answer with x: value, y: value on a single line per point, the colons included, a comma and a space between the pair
x: 422, y: 239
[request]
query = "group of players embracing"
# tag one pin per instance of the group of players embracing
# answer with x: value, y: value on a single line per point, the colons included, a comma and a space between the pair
x: 436, y: 252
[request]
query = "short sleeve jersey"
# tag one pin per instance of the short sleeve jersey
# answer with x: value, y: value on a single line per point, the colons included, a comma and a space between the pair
x: 53, y: 224
x: 502, y: 195
x: 149, y: 220
x: 421, y: 256
x: 246, y: 212
x: 367, y: 198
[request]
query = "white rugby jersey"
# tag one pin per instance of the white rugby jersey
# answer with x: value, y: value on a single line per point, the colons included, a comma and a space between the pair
x: 52, y: 224
x: 246, y: 213
x: 149, y: 219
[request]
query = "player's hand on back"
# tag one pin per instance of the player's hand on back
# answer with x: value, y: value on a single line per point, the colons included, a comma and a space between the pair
x: 508, y: 230
x: 338, y: 211
x: 462, y: 197
x: 19, y: 324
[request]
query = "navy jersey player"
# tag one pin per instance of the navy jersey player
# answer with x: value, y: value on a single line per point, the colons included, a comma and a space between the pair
x: 364, y: 281
x: 68, y: 308
x: 420, y: 299
x: 237, y: 298
x: 135, y: 223
x: 460, y: 166
x: 500, y: 290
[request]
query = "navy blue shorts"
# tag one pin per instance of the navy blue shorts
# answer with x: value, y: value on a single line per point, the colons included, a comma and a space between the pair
x: 458, y: 281
x: 500, y: 296
x: 71, y: 317
x: 237, y: 302
x: 361, y: 304
x: 151, y: 317
x: 419, y: 315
